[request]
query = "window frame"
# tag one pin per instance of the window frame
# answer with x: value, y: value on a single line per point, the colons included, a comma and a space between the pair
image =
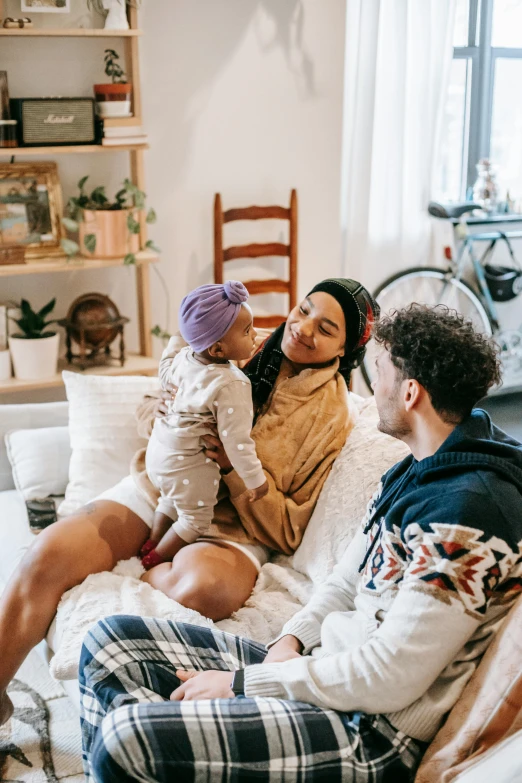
x: 482, y: 57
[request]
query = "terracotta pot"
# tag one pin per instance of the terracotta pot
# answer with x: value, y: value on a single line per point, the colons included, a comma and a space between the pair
x: 113, y: 238
x: 113, y: 100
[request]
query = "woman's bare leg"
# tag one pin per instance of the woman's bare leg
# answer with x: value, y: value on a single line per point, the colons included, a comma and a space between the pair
x: 62, y: 556
x: 212, y: 578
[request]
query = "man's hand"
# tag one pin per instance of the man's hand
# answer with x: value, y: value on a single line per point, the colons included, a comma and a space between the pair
x: 216, y: 451
x: 161, y: 408
x: 284, y: 650
x: 213, y: 684
x: 258, y: 492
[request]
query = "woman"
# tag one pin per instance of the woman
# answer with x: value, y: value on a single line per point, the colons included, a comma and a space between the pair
x: 302, y: 420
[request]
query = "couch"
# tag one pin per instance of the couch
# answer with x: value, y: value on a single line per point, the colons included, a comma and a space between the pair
x: 462, y: 751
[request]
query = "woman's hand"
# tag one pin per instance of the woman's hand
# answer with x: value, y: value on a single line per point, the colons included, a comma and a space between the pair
x: 286, y: 648
x: 161, y: 407
x: 211, y: 684
x: 216, y: 451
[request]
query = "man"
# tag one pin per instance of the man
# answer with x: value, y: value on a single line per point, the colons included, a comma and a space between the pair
x: 360, y: 680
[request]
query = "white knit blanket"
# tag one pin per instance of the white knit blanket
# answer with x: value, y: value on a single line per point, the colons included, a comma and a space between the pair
x: 283, y: 586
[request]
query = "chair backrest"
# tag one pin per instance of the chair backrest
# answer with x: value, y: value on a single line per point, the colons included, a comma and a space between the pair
x: 221, y: 255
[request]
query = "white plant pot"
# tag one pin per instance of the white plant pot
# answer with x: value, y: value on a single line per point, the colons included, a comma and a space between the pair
x: 5, y: 365
x: 34, y: 360
x: 117, y: 16
x: 111, y: 109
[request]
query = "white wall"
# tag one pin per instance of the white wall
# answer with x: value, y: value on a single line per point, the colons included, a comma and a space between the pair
x: 240, y: 96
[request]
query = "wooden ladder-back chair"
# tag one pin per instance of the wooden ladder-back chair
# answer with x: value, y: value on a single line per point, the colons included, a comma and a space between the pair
x: 265, y: 249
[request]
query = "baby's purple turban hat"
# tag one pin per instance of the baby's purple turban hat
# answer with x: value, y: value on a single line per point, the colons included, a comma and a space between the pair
x: 208, y: 312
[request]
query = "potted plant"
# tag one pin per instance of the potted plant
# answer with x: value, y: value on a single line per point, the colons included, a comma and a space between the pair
x: 114, y: 99
x: 107, y: 229
x: 34, y: 350
x: 117, y: 12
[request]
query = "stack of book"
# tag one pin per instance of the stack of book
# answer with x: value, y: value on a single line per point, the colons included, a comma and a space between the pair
x: 123, y: 136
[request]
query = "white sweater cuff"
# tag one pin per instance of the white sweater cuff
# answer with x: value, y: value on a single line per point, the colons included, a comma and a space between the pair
x: 308, y: 633
x: 261, y: 680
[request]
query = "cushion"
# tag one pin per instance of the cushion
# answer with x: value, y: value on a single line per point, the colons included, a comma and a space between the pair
x: 40, y: 460
x: 27, y: 415
x: 355, y: 476
x: 488, y: 712
x: 102, y: 428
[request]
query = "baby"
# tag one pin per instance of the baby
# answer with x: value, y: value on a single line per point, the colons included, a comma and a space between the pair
x: 212, y: 395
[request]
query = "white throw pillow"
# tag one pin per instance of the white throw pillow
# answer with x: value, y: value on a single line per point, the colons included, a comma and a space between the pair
x: 102, y: 428
x: 355, y: 476
x: 40, y: 460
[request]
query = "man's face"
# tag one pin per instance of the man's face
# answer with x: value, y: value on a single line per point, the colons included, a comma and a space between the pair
x: 388, y: 390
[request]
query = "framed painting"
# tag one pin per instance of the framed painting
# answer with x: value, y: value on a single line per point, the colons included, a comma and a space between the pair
x: 31, y: 208
x: 46, y: 6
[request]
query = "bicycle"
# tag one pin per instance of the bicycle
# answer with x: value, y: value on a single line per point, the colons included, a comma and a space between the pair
x: 470, y: 297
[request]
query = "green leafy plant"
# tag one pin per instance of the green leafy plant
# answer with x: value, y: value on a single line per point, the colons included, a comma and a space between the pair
x: 32, y: 324
x: 112, y: 67
x: 129, y: 197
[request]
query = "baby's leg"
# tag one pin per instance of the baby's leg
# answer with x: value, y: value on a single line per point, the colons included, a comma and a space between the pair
x: 193, y: 493
x: 160, y: 525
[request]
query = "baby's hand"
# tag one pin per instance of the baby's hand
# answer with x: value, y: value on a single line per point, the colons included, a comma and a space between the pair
x: 258, y: 492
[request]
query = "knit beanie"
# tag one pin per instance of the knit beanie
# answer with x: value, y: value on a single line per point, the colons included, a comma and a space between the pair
x: 208, y: 312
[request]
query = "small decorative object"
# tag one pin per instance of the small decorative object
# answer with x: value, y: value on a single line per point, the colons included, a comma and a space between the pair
x: 12, y: 254
x: 485, y: 189
x: 5, y: 365
x: 5, y: 113
x: 21, y: 23
x: 114, y: 99
x: 107, y: 229
x: 46, y: 6
x: 34, y: 349
x: 116, y: 12
x: 52, y: 121
x: 8, y: 134
x: 31, y: 208
x: 93, y: 323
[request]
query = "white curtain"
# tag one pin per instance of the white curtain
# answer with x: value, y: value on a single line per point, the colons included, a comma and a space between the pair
x: 398, y: 56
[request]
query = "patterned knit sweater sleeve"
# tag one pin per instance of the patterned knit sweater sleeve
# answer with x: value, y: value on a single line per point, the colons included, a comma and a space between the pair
x: 440, y: 601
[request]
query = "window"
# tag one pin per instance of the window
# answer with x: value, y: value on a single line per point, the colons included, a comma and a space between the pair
x: 483, y: 113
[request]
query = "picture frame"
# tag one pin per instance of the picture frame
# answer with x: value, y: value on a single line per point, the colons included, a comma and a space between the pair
x: 46, y: 6
x: 31, y: 208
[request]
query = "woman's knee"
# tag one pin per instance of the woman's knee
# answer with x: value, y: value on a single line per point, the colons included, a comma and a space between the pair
x: 198, y: 593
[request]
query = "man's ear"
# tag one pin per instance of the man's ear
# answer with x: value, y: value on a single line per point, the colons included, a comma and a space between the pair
x: 412, y: 394
x: 216, y: 350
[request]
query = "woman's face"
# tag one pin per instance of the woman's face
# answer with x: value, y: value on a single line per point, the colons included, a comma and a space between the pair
x: 315, y: 331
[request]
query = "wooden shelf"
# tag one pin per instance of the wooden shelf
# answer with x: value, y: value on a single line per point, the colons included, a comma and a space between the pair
x: 79, y: 149
x: 41, y: 32
x: 43, y: 266
x: 134, y: 365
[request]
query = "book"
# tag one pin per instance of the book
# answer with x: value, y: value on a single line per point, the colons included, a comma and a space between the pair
x: 124, y: 130
x: 123, y: 141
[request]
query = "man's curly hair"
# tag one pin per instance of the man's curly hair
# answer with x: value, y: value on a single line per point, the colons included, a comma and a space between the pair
x: 443, y: 352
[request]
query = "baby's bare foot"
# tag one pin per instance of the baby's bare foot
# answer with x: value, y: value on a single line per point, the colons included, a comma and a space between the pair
x: 6, y: 708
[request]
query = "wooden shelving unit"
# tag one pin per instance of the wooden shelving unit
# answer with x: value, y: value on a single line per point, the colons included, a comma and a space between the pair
x: 143, y: 363
x: 42, y: 32
x: 74, y: 149
x: 134, y: 365
x: 44, y: 266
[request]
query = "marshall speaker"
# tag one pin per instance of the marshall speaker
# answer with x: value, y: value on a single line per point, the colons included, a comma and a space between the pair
x: 54, y: 121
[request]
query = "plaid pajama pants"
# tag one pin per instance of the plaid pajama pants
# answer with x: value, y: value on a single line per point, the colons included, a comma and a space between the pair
x: 130, y: 730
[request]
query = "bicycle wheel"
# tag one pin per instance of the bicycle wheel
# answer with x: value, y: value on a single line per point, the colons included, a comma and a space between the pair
x: 430, y: 286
